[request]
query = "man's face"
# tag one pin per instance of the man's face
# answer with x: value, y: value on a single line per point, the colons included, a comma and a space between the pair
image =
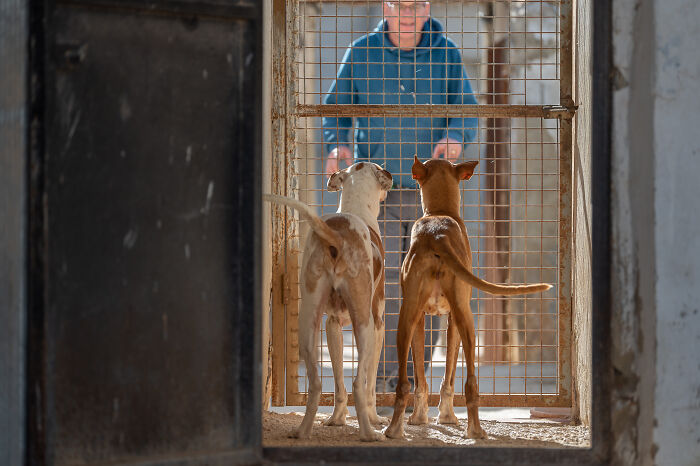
x: 406, y: 19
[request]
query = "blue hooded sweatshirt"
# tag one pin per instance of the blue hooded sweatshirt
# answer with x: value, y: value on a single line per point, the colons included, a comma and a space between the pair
x: 375, y: 71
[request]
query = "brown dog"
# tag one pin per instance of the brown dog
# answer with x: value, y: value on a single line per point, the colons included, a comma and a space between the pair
x: 436, y: 278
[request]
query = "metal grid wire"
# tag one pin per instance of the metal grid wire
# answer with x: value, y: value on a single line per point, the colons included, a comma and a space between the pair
x: 511, y: 206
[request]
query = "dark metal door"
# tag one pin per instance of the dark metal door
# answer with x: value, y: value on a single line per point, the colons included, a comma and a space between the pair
x: 145, y: 200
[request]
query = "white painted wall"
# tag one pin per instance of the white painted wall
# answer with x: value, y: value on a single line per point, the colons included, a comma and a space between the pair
x: 656, y: 232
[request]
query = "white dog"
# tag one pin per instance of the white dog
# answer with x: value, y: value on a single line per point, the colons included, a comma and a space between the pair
x: 342, y: 274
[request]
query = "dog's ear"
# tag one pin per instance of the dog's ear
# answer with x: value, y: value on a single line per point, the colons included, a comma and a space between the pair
x: 335, y: 182
x: 418, y: 170
x: 465, y: 170
x: 384, y: 177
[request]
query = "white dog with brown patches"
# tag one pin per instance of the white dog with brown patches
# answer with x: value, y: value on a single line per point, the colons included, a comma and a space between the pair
x: 342, y: 274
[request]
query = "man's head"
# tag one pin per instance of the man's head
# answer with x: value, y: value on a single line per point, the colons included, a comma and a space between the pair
x: 405, y: 20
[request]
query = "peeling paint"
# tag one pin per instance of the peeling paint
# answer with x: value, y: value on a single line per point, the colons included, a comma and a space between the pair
x: 130, y: 238
x: 210, y: 194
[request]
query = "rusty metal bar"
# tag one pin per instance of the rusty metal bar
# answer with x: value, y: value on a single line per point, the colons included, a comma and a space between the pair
x: 292, y: 248
x: 278, y: 129
x: 565, y: 204
x: 483, y: 111
x: 497, y: 204
x: 485, y: 401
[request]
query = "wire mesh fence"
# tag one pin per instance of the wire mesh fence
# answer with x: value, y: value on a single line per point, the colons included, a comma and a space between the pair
x: 481, y: 76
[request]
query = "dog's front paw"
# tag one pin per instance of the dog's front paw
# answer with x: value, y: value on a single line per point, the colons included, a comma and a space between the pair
x: 372, y: 436
x: 376, y: 420
x: 418, y: 418
x: 335, y: 421
x: 299, y: 434
x: 476, y: 433
x: 448, y: 419
x: 394, y: 431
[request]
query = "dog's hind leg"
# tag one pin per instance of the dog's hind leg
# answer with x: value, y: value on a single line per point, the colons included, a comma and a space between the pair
x: 465, y: 323
x: 414, y: 298
x: 309, y: 323
x: 447, y: 389
x: 420, y: 399
x: 359, y: 303
x: 334, y: 335
x: 372, y: 377
x: 365, y: 346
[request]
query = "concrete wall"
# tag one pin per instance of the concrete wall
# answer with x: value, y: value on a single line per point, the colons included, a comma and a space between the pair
x: 582, y: 311
x: 656, y: 231
x: 676, y: 91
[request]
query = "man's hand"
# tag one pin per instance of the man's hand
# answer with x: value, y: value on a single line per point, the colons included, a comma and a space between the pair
x: 342, y: 153
x: 451, y: 149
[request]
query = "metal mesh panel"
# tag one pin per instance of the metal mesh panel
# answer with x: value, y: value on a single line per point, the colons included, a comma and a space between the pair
x: 513, y: 206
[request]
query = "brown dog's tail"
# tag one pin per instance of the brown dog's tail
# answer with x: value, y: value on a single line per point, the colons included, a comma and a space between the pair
x: 319, y: 227
x: 448, y: 255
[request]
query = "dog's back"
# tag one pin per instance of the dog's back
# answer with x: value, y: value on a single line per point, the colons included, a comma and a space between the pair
x: 342, y: 274
x: 440, y: 235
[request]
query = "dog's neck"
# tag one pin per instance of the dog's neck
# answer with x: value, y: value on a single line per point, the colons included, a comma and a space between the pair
x: 440, y: 200
x: 361, y: 203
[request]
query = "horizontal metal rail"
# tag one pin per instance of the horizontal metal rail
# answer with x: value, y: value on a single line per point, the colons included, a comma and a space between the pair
x: 485, y: 400
x: 427, y: 110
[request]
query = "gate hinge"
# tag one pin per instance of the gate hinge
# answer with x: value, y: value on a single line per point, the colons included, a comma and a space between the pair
x: 559, y: 111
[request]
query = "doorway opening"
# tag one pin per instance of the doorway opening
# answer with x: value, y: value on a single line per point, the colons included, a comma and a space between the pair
x: 519, y: 207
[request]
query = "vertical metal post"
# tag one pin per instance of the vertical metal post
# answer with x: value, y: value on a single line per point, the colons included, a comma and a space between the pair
x: 291, y: 49
x: 497, y: 205
x: 565, y: 201
x: 278, y: 127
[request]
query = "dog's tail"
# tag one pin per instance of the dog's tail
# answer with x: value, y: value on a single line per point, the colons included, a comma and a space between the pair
x: 319, y: 227
x: 447, y: 254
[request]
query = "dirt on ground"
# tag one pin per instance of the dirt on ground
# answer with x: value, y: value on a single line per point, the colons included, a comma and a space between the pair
x: 537, y: 434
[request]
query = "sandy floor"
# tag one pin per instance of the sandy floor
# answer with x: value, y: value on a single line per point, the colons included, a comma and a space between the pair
x: 540, y: 433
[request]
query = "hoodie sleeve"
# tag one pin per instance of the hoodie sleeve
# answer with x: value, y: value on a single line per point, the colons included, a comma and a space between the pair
x: 336, y: 131
x: 459, y: 93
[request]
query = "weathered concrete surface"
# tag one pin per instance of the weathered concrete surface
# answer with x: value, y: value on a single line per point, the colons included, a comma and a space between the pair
x: 581, y: 318
x: 656, y: 248
x: 676, y: 94
x: 632, y: 246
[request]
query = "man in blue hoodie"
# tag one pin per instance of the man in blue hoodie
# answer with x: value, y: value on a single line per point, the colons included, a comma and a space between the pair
x: 407, y: 60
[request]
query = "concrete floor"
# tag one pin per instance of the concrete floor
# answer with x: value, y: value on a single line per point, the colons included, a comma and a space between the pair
x: 506, y: 426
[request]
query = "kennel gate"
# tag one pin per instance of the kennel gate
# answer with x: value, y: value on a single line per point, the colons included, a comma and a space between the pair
x: 517, y: 207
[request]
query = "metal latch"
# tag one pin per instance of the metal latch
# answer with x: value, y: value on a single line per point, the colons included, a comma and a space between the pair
x: 559, y: 111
